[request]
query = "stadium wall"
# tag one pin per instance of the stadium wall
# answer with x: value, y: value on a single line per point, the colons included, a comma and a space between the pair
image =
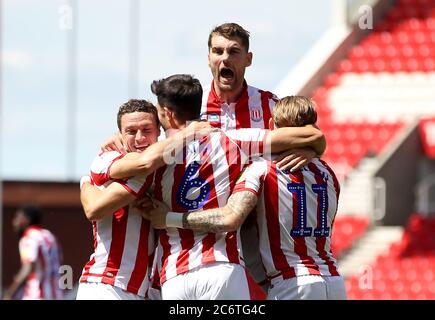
x: 399, y: 169
x: 63, y: 215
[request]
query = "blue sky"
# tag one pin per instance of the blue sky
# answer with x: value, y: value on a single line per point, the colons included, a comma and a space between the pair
x: 173, y: 39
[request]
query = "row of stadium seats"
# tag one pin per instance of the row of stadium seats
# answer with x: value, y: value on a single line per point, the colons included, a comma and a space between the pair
x: 349, y: 143
x: 402, y: 273
x: 410, y: 24
x: 380, y: 51
x: 398, y: 64
x: 393, y: 68
x: 399, y: 37
x: 360, y: 132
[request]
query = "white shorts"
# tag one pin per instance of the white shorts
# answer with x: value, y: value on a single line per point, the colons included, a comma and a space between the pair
x: 307, y: 288
x: 102, y: 291
x: 217, y: 281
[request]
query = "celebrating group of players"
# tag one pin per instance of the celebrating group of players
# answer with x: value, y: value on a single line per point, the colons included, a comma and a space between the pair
x: 182, y: 217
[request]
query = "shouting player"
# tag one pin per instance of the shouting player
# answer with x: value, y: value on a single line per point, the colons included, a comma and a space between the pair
x: 295, y: 214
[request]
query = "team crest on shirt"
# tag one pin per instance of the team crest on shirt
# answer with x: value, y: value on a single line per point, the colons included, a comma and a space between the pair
x: 213, y: 117
x: 256, y: 114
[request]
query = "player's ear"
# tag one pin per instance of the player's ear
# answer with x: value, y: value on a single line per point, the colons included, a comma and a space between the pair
x: 271, y: 124
x: 248, y: 59
x: 168, y: 113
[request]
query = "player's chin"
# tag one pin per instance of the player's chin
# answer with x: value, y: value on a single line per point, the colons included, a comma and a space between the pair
x: 227, y: 84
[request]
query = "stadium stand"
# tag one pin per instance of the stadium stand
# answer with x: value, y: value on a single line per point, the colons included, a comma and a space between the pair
x: 406, y: 271
x: 366, y: 103
x: 392, y: 68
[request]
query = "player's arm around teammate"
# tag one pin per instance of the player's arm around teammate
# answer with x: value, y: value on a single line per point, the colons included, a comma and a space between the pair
x: 225, y: 219
x: 99, y: 203
x: 297, y: 144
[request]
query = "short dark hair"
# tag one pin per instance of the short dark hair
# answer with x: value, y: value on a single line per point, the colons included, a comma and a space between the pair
x: 228, y: 31
x: 33, y: 213
x: 181, y: 93
x: 136, y: 105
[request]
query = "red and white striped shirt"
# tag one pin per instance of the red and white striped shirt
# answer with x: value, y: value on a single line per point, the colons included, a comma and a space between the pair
x: 295, y: 214
x: 40, y: 247
x: 204, y: 178
x: 252, y: 110
x: 122, y: 241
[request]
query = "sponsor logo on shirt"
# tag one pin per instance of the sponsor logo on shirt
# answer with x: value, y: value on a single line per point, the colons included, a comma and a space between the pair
x: 214, y: 117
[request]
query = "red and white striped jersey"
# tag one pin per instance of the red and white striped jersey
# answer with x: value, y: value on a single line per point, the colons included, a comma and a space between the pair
x: 204, y: 178
x: 40, y: 247
x: 252, y: 110
x: 122, y: 241
x: 295, y: 214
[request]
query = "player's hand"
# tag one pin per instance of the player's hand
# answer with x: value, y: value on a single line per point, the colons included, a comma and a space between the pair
x: 144, y: 206
x: 114, y: 143
x: 199, y: 125
x: 295, y: 159
x: 158, y: 215
x: 199, y: 129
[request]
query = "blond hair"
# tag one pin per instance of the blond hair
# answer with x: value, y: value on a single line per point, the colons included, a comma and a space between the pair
x: 294, y: 111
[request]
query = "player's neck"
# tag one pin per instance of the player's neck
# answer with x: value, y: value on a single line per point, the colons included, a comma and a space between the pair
x: 172, y: 131
x: 229, y: 96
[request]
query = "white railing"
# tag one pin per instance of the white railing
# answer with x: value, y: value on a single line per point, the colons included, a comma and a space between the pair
x: 380, y: 198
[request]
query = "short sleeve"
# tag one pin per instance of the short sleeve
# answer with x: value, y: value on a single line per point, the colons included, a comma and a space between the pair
x: 100, y: 167
x: 137, y: 185
x: 252, y: 177
x: 28, y: 248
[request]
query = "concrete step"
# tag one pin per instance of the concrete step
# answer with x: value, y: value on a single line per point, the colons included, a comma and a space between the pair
x: 356, y: 192
x: 364, y: 253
